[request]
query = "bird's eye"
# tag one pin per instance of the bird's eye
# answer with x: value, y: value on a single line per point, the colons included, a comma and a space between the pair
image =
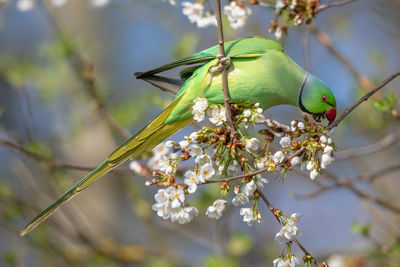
x: 323, y: 98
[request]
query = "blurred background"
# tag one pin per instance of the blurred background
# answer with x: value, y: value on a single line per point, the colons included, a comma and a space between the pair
x: 68, y: 97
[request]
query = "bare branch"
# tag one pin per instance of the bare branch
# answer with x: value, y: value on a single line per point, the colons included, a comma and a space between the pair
x: 55, y: 164
x: 224, y: 72
x: 335, y: 4
x: 382, y: 144
x: 325, y: 40
x: 362, y: 99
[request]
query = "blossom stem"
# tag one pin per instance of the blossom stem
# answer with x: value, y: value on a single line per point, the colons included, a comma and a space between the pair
x: 272, y: 209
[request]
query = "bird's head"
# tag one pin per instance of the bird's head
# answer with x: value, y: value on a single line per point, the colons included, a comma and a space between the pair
x: 317, y: 99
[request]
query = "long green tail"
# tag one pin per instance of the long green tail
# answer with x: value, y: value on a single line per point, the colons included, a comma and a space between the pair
x: 148, y: 137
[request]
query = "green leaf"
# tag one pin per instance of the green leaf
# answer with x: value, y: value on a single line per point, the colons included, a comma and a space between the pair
x: 379, y: 105
x: 361, y: 229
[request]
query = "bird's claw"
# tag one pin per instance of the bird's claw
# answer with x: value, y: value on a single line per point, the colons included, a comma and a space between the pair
x: 223, y: 63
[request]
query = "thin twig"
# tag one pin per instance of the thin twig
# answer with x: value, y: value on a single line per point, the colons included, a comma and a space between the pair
x: 273, y: 211
x: 382, y: 144
x: 335, y: 4
x: 326, y: 41
x: 55, y: 164
x: 85, y: 73
x: 224, y: 72
x: 297, y: 153
x: 362, y: 99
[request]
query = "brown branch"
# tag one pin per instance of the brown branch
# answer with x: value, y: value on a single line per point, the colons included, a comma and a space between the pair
x: 298, y: 152
x: 55, y: 164
x: 362, y: 99
x: 224, y: 72
x: 326, y: 41
x: 273, y: 211
x: 334, y: 4
x: 84, y: 71
x: 382, y: 144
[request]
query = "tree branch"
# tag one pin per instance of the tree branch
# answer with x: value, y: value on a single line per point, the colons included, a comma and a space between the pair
x: 224, y: 72
x: 272, y: 209
x: 362, y: 99
x: 334, y: 4
x: 382, y: 144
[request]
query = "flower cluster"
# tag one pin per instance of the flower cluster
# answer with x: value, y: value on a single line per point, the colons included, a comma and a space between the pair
x: 236, y: 11
x: 196, y: 14
x: 237, y: 14
x: 170, y: 204
x: 306, y: 145
x: 218, y: 154
x: 292, y: 12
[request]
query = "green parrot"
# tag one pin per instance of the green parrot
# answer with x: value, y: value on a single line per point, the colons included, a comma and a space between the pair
x: 259, y: 72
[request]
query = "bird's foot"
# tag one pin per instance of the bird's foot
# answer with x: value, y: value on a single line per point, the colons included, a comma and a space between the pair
x: 223, y: 63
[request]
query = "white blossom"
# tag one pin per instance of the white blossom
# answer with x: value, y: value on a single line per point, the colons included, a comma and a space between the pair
x: 292, y: 262
x: 278, y: 156
x: 160, y: 150
x: 25, y: 5
x: 206, y: 172
x: 198, y: 115
x: 330, y: 141
x: 323, y: 139
x: 237, y: 14
x: 314, y: 174
x: 326, y: 159
x: 328, y: 149
x: 301, y: 125
x: 279, y: 5
x: 261, y: 181
x: 278, y: 33
x: 249, y: 216
x: 218, y: 115
x: 310, y: 165
x: 295, y: 161
x: 170, y: 144
x: 99, y: 3
x: 215, y: 211
x: 136, y: 167
x: 247, y: 113
x: 192, y: 10
x: 176, y: 195
x: 250, y: 188
x: 252, y: 144
x: 194, y: 137
x: 191, y: 180
x: 240, y: 199
x: 195, y: 150
x: 289, y: 230
x: 285, y: 142
x: 203, y: 159
x: 206, y: 20
x: 185, y: 215
x: 258, y: 118
x: 260, y: 164
x: 184, y: 144
x: 232, y: 170
x: 200, y: 103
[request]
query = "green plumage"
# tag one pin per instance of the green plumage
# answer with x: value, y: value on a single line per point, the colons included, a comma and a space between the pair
x: 260, y: 72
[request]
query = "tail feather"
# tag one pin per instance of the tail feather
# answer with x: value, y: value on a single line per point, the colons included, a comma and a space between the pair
x: 147, y: 138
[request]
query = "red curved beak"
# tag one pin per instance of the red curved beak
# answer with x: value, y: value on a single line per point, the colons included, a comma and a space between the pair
x: 331, y: 115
